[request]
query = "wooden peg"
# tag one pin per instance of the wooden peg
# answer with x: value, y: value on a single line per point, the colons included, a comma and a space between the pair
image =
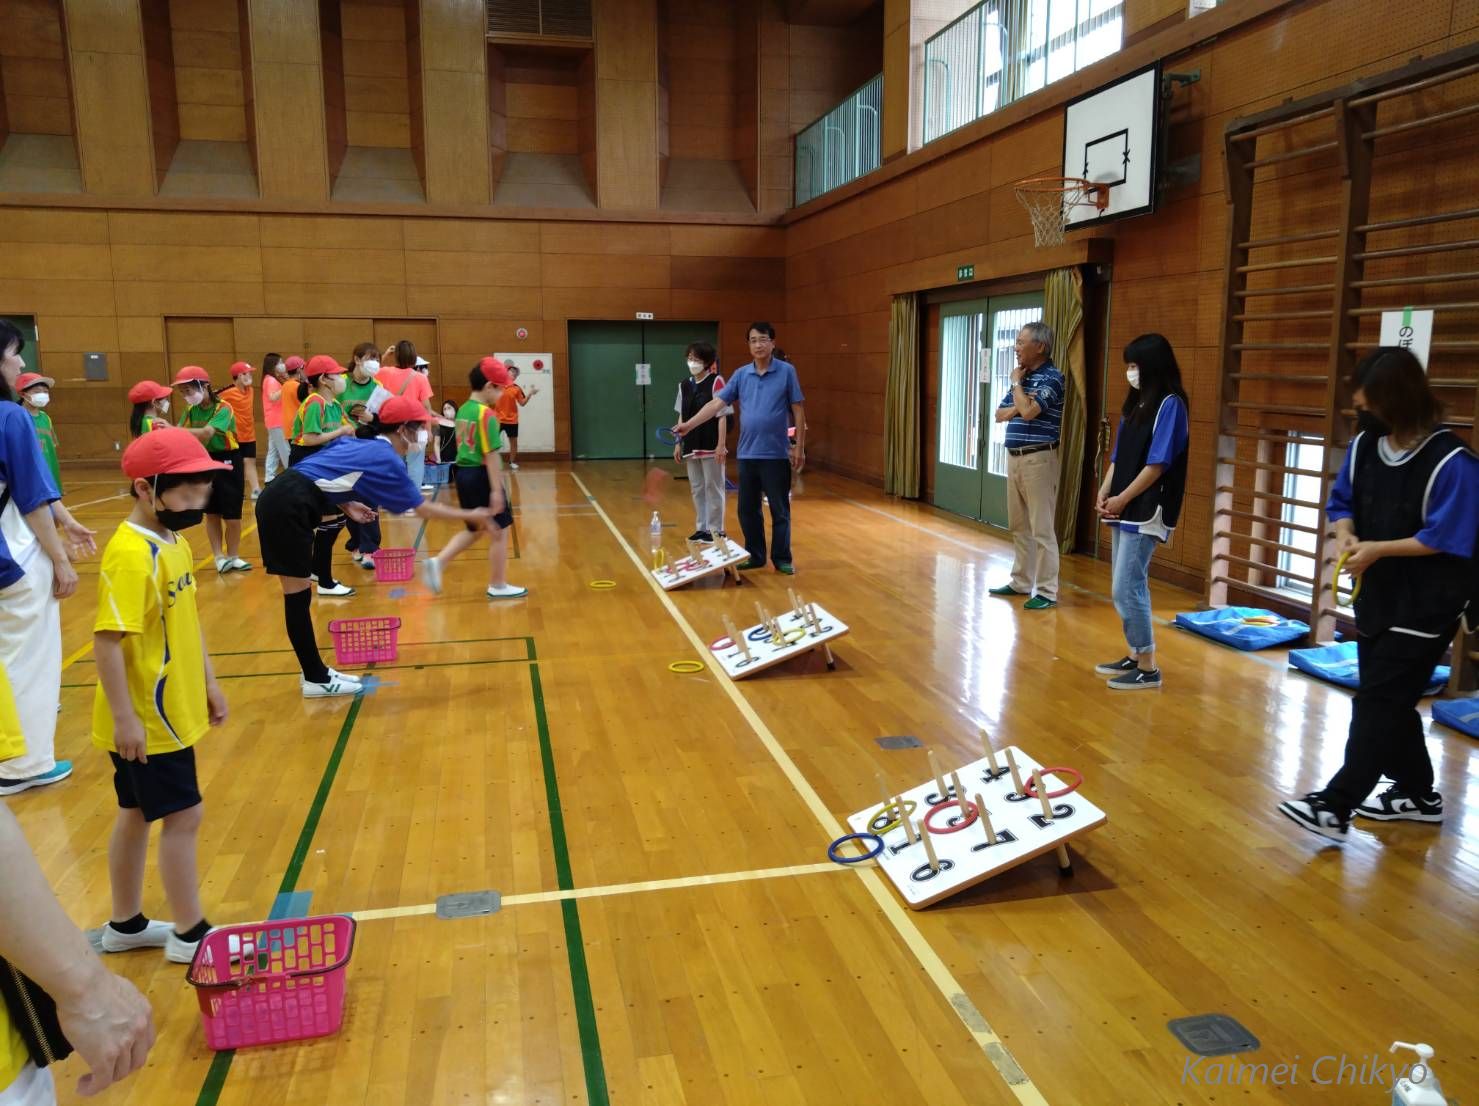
x: 883, y: 790
x: 1016, y: 774
x: 990, y: 752
x: 1042, y: 794
x: 986, y: 820
x: 795, y: 603
x: 1065, y: 862
x: 816, y: 621
x: 929, y: 848
x: 762, y: 614
x: 939, y: 776
x: 739, y: 639
x: 959, y: 791
x: 908, y: 825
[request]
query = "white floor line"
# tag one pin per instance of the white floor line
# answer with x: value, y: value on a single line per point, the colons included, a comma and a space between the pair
x: 939, y: 974
x: 93, y: 502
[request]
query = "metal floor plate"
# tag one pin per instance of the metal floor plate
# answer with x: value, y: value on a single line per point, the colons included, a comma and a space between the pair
x: 1212, y: 1035
x: 468, y: 904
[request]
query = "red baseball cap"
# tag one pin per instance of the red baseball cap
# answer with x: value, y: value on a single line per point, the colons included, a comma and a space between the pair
x: 293, y: 363
x: 30, y: 380
x: 494, y: 371
x: 239, y: 367
x: 147, y: 391
x: 192, y: 374
x: 165, y: 452
x: 402, y: 409
x: 321, y: 364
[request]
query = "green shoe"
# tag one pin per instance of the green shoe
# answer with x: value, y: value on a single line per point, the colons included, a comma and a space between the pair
x: 785, y: 569
x: 750, y: 566
x: 1038, y: 603
x: 1005, y: 589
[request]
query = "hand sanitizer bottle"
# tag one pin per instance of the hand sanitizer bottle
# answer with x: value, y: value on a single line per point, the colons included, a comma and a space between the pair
x: 1419, y: 1087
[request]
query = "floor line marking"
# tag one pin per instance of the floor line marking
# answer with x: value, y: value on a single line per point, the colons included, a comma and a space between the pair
x: 935, y: 968
x: 94, y: 502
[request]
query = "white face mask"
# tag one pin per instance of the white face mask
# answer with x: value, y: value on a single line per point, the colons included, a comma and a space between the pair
x: 243, y: 382
x: 39, y: 399
x: 194, y: 398
x: 696, y: 367
x: 163, y: 406
x: 422, y: 437
x: 337, y: 384
x: 1132, y: 374
x: 370, y: 367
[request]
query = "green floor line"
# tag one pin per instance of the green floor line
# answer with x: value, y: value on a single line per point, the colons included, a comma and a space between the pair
x: 580, y: 980
x: 378, y: 668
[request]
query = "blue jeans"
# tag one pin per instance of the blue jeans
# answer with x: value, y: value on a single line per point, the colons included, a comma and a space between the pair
x: 416, y: 466
x: 1130, y: 557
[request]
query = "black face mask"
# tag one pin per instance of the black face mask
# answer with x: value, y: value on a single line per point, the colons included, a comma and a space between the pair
x: 178, y: 520
x: 1368, y: 423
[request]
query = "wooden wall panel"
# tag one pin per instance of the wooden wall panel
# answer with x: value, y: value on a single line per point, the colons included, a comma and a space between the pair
x: 377, y: 87
x: 626, y: 95
x: 454, y: 102
x: 207, y: 49
x: 701, y: 45
x: 110, y: 85
x: 35, y: 93
x: 497, y: 114
x: 297, y: 97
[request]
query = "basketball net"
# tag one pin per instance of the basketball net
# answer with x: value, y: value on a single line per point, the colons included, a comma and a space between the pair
x: 1052, y: 201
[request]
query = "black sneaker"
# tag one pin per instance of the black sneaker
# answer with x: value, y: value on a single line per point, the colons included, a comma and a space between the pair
x: 1117, y: 668
x: 698, y: 535
x: 1395, y: 805
x: 1316, y: 815
x: 1136, y: 679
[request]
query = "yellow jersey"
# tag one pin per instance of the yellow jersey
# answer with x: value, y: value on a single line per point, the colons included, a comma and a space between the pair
x: 12, y: 739
x: 13, y: 1056
x: 146, y: 591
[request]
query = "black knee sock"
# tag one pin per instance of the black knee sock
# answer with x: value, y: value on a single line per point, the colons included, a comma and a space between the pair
x: 300, y: 632
x: 323, y: 556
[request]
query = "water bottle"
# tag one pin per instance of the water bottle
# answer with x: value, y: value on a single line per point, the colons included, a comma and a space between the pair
x: 1419, y: 1087
x: 654, y: 533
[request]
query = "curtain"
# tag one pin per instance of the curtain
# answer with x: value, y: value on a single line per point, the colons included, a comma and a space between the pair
x: 901, y: 400
x: 1063, y: 310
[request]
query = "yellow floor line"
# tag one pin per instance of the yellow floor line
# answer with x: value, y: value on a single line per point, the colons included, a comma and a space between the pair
x: 1001, y: 1059
x: 614, y: 889
x: 200, y: 564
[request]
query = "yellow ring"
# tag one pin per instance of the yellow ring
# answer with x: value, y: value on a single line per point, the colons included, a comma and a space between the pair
x: 793, y: 635
x: 686, y: 666
x: 884, y: 812
x: 603, y: 585
x: 659, y: 559
x: 1335, y: 584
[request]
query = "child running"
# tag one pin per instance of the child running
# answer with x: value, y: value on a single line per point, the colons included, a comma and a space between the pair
x: 157, y: 693
x: 479, y: 475
x: 151, y: 408
x: 214, y: 424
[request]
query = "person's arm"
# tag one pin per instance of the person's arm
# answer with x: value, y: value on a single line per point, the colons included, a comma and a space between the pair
x: 128, y: 730
x: 44, y: 527
x: 82, y: 539
x: 705, y: 413
x: 798, y: 458
x: 313, y: 428
x: 1104, y: 488
x: 524, y: 397
x: 1338, y: 506
x: 479, y: 516
x: 215, y: 698
x: 103, y: 1015
x: 1168, y: 440
x: 492, y: 439
x: 1448, y: 524
x: 1024, y: 405
x: 722, y: 450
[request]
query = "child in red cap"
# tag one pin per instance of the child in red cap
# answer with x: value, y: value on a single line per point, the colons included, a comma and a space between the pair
x: 214, y: 424
x: 157, y: 692
x: 151, y: 407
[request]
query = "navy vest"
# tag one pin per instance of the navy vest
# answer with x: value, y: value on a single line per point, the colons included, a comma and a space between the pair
x: 1166, y: 493
x: 696, y: 394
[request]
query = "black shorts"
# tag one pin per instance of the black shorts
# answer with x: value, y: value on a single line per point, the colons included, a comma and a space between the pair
x: 510, y: 429
x: 289, y: 511
x: 298, y: 452
x: 248, y: 449
x: 165, y: 784
x: 475, y: 490
x: 227, y: 488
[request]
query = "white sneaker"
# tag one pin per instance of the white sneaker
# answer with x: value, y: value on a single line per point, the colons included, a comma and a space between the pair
x: 513, y: 465
x: 508, y: 591
x: 431, y: 574
x: 335, y: 686
x: 428, y: 487
x: 152, y: 936
x: 345, y: 677
x: 236, y: 564
x: 177, y: 951
x: 338, y: 590
x: 223, y: 565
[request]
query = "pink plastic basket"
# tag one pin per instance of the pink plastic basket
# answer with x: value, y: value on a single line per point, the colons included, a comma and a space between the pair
x: 271, y: 982
x: 394, y: 565
x: 364, y: 640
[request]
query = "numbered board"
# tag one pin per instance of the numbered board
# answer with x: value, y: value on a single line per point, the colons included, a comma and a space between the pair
x: 1022, y: 832
x: 764, y: 653
x: 711, y: 559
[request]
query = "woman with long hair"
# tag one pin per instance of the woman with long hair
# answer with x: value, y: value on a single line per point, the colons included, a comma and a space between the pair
x: 151, y: 408
x: 1405, y: 508
x: 400, y: 376
x: 1141, y: 495
x: 214, y: 423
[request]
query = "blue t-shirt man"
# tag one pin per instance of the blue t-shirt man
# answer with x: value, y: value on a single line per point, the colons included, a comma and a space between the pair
x: 765, y: 398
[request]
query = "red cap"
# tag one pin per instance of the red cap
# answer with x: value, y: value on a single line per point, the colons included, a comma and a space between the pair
x: 293, y: 363
x: 239, y: 367
x: 147, y: 391
x: 400, y: 409
x: 192, y: 374
x: 322, y: 363
x: 30, y: 380
x: 494, y: 371
x: 167, y: 451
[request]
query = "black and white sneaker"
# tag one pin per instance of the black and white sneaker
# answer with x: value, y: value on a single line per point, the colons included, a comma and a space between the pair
x: 1316, y: 815
x: 1117, y: 668
x: 1395, y: 805
x: 1136, y: 679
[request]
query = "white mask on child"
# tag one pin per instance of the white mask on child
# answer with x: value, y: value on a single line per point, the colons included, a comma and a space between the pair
x: 1133, y: 376
x: 164, y: 406
x: 696, y: 367
x: 370, y: 367
x: 422, y: 437
x: 194, y: 398
x: 39, y: 399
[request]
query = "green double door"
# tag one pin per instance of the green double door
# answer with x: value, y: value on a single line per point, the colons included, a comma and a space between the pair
x: 612, y: 415
x: 977, y: 354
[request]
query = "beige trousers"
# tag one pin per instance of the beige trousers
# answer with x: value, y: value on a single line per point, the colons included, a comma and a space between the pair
x: 1032, y: 501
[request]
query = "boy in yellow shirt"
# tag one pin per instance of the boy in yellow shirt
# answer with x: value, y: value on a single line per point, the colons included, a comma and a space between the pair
x: 157, y: 693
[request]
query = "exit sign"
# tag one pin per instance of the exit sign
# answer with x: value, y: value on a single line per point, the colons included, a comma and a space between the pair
x: 965, y: 272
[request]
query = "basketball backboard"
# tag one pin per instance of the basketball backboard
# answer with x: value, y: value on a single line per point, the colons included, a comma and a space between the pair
x: 1110, y: 136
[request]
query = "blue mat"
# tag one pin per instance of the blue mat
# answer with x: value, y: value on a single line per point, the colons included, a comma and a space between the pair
x: 1230, y: 626
x: 1337, y: 664
x: 1461, y: 714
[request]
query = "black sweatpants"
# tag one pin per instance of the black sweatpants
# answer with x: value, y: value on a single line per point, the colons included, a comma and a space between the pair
x: 1386, y: 735
x: 772, y: 479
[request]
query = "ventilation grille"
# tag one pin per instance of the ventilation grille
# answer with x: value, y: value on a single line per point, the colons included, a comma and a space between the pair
x: 558, y: 18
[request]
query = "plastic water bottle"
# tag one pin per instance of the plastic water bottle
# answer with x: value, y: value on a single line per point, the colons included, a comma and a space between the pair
x: 1419, y: 1087
x: 654, y: 533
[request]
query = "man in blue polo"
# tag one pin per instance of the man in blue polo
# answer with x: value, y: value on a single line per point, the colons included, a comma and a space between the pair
x: 1033, y: 412
x: 766, y: 389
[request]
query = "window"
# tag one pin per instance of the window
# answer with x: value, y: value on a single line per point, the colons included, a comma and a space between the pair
x: 840, y: 146
x: 1300, y: 523
x: 1002, y: 50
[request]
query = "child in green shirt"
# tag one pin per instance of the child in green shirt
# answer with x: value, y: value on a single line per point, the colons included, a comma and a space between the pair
x: 35, y: 393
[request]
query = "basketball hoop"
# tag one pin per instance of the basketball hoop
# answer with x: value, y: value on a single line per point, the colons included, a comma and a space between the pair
x: 1051, y: 202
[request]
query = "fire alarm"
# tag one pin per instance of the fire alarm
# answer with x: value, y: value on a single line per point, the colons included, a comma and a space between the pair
x: 538, y: 365
x: 521, y: 333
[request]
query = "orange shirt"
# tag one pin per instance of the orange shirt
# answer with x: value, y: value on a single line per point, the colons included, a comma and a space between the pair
x: 292, y: 395
x: 241, y: 403
x: 404, y: 382
x: 507, y: 407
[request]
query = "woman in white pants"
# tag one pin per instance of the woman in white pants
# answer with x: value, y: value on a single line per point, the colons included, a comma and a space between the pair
x: 35, y: 575
x: 704, y: 446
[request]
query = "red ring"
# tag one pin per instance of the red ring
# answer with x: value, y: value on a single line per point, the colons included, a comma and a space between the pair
x: 962, y: 804
x: 1031, y: 791
x: 719, y: 643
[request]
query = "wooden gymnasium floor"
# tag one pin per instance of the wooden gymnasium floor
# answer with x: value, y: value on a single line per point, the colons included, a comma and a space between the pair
x: 670, y: 930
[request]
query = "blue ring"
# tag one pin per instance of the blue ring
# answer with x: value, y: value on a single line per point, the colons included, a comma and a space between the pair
x: 836, y: 859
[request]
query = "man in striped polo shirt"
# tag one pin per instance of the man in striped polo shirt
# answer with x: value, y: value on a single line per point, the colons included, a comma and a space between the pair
x: 1033, y: 412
